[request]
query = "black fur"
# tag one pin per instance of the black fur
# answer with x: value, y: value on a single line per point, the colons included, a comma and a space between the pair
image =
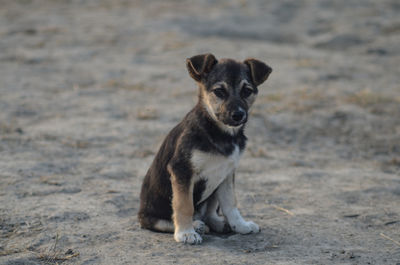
x: 196, y: 131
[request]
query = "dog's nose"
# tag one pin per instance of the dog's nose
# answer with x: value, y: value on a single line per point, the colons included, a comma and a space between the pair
x: 238, y: 115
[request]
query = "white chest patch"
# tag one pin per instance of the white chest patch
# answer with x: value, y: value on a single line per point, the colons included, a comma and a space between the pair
x: 213, y: 169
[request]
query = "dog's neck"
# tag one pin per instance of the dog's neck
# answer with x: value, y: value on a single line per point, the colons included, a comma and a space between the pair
x: 223, y: 141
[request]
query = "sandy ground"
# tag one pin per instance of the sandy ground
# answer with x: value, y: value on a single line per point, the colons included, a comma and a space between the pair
x: 88, y: 90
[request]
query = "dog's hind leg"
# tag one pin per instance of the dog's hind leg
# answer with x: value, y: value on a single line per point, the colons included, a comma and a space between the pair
x: 164, y: 226
x: 198, y: 219
x: 156, y: 224
x: 213, y: 220
x: 200, y: 227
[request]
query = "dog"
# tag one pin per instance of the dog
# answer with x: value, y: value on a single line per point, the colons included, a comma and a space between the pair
x: 191, y: 179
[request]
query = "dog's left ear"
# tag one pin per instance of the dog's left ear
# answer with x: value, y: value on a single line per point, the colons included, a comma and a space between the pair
x: 259, y: 71
x: 200, y: 64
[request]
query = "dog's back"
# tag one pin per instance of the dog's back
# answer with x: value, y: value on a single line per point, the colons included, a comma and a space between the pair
x: 155, y: 196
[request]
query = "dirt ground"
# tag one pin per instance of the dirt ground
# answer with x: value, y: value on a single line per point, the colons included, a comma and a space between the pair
x: 88, y: 90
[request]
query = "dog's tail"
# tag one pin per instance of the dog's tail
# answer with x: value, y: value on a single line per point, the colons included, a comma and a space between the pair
x: 155, y: 224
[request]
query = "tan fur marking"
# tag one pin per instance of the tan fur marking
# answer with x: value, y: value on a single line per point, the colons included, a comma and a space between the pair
x: 182, y: 205
x: 221, y: 83
x: 245, y: 82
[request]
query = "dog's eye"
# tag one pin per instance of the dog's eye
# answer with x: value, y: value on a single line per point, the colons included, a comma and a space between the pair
x: 220, y: 93
x: 245, y: 92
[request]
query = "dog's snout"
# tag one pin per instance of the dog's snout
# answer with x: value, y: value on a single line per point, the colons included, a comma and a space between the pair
x: 238, y: 115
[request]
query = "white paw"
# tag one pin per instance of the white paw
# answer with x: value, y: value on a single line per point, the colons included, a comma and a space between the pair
x: 200, y: 227
x: 188, y: 236
x: 246, y: 227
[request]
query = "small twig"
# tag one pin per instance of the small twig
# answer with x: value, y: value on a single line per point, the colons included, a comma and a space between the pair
x: 389, y: 238
x: 67, y: 257
x: 283, y: 210
x: 53, y: 254
x: 55, y: 243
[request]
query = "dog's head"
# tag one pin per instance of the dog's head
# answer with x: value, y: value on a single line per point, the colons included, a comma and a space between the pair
x: 227, y: 88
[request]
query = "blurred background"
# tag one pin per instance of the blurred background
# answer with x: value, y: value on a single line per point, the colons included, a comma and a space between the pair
x: 89, y: 89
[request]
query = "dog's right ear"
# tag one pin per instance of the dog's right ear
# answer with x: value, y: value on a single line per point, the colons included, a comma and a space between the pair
x: 259, y: 71
x: 200, y: 65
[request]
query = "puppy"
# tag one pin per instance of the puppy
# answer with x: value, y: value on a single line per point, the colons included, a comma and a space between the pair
x: 192, y: 176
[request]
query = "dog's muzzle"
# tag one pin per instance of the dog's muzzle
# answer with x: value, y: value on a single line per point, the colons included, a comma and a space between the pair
x: 238, y: 117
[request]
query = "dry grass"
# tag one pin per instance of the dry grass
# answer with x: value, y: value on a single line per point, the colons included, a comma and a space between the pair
x: 365, y: 98
x: 6, y: 128
x: 282, y: 209
x: 11, y: 251
x: 258, y: 152
x: 307, y: 99
x: 79, y: 144
x: 172, y: 42
x: 147, y: 114
x: 50, y: 180
x: 374, y: 102
x: 55, y: 255
x: 392, y: 29
x: 306, y: 62
x: 389, y: 238
x: 142, y: 153
x: 125, y: 85
x: 394, y: 161
x: 302, y: 100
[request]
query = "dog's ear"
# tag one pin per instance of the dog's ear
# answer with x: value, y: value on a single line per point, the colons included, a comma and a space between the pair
x: 200, y: 64
x: 259, y: 71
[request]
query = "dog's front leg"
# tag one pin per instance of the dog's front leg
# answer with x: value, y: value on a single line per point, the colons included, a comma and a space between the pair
x: 227, y: 202
x: 182, y: 206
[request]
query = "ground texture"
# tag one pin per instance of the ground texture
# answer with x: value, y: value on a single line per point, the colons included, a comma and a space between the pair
x: 88, y: 90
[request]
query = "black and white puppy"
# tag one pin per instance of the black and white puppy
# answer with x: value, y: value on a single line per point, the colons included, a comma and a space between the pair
x: 192, y: 175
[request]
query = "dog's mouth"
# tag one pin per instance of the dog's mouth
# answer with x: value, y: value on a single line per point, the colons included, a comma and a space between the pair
x: 228, y: 121
x: 235, y: 123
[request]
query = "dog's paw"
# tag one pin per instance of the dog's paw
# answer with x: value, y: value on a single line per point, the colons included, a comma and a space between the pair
x: 188, y: 237
x: 218, y: 224
x: 246, y: 228
x: 200, y: 227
